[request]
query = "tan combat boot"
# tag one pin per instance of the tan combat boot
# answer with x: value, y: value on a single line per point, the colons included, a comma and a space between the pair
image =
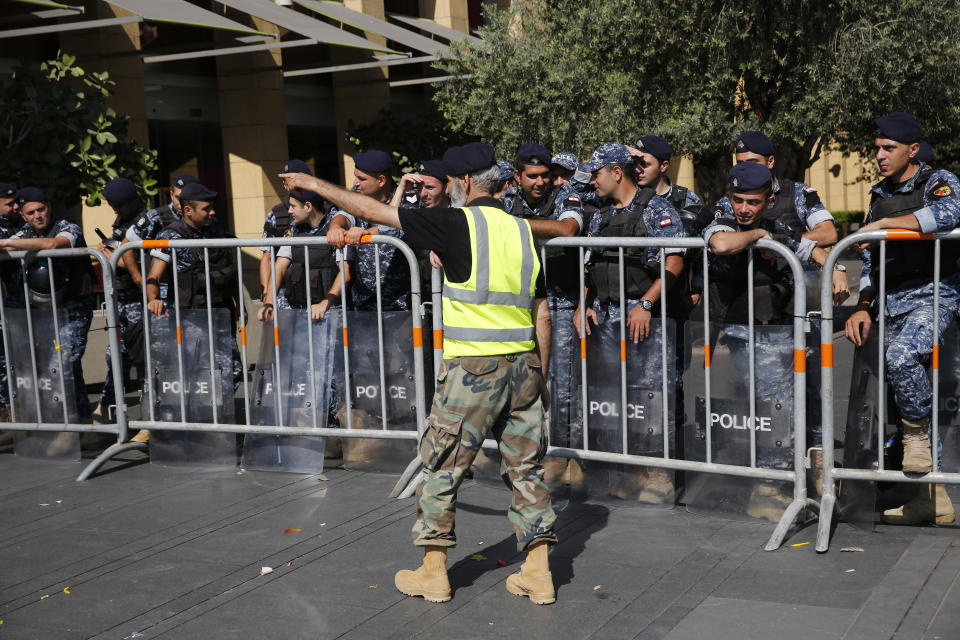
x: 430, y: 580
x: 932, y: 504
x: 573, y: 475
x: 916, y: 447
x: 554, y: 470
x: 141, y: 436
x: 767, y: 502
x: 816, y: 466
x: 658, y: 488
x: 534, y: 578
x: 100, y: 415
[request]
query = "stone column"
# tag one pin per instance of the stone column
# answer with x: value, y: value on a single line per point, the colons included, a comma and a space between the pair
x: 450, y: 13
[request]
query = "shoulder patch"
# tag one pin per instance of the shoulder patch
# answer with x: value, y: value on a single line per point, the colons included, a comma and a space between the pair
x: 666, y: 221
x: 941, y: 191
x: 573, y: 199
x: 141, y: 221
x: 809, y: 189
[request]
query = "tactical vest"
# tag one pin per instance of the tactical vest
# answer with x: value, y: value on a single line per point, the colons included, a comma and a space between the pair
x: 562, y: 265
x: 167, y: 216
x: 910, y: 264
x: 784, y: 214
x: 639, y: 269
x: 694, y: 219
x: 323, y: 271
x: 122, y: 280
x: 772, y: 290
x: 192, y: 285
x: 78, y: 271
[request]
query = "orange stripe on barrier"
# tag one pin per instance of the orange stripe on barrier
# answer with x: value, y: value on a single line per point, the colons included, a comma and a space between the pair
x: 243, y: 336
x: 903, y: 234
x: 276, y: 336
x: 156, y: 244
x: 438, y: 338
x: 826, y: 356
x: 936, y: 356
x: 345, y: 341
x: 583, y: 348
x: 418, y: 337
x: 623, y: 351
x: 800, y: 360
x: 366, y: 240
x: 706, y: 355
x: 179, y: 336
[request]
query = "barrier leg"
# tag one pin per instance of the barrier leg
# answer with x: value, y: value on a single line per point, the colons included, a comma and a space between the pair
x: 827, y: 503
x: 789, y: 515
x: 111, y: 451
x: 400, y: 490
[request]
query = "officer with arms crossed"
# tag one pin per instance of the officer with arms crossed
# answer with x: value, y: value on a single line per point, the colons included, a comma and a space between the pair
x: 491, y: 377
x: 915, y: 197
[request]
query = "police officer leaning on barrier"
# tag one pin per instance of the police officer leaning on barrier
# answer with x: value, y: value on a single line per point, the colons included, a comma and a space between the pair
x: 430, y: 186
x: 912, y: 196
x: 491, y: 377
x: 73, y: 288
x: 278, y: 224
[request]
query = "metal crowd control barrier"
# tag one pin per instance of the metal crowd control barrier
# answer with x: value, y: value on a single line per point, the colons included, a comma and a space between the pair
x: 831, y: 473
x: 797, y: 476
x: 59, y: 393
x: 296, y: 243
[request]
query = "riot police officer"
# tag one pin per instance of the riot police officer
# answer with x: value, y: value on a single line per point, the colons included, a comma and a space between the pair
x: 278, y: 225
x: 10, y: 223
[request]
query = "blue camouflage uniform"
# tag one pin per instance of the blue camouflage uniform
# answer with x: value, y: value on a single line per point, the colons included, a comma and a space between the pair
x: 148, y: 227
x: 274, y: 228
x: 8, y: 270
x: 909, y: 309
x: 78, y: 307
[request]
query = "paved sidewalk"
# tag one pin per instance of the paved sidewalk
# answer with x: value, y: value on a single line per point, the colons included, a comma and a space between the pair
x: 166, y: 552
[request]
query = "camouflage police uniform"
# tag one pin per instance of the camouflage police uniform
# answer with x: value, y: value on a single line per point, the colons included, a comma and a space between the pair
x: 186, y: 259
x: 8, y: 270
x: 278, y: 225
x: 564, y: 204
x: 79, y: 310
x: 148, y: 227
x: 909, y: 310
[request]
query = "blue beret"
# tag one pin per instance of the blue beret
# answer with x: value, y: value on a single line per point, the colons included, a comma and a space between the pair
x: 119, y: 191
x: 608, y: 153
x: 435, y: 169
x: 900, y: 126
x: 655, y: 146
x: 183, y: 180
x: 471, y: 157
x: 30, y: 194
x: 925, y: 155
x: 7, y: 190
x: 304, y: 196
x: 754, y: 141
x: 198, y: 192
x: 373, y: 162
x: 507, y: 171
x: 747, y: 176
x: 532, y: 153
x: 567, y: 160
x: 298, y: 166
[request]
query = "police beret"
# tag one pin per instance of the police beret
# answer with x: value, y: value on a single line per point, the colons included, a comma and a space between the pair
x: 655, y: 146
x: 925, y: 155
x: 608, y: 153
x: 566, y: 160
x: 532, y: 153
x: 435, y: 169
x: 30, y: 194
x: 747, y: 176
x: 471, y: 157
x: 754, y: 141
x: 900, y: 126
x: 7, y: 190
x: 198, y: 192
x: 119, y: 191
x: 183, y: 180
x: 373, y: 162
x: 506, y: 170
x: 304, y: 196
x: 299, y: 166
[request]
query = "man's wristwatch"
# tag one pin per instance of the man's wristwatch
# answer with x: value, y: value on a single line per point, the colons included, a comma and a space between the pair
x: 839, y: 267
x: 646, y: 305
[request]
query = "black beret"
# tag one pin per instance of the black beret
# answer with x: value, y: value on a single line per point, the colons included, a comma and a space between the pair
x: 754, y: 141
x: 532, y: 153
x: 655, y: 146
x: 198, y: 192
x: 925, y: 154
x: 30, y: 194
x: 119, y: 191
x: 183, y: 180
x: 304, y: 196
x: 297, y: 166
x: 747, y: 176
x: 900, y: 126
x: 471, y: 157
x: 435, y: 169
x: 7, y: 190
x: 373, y: 162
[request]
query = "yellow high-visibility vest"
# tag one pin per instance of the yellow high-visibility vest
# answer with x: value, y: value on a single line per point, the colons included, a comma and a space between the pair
x: 490, y: 313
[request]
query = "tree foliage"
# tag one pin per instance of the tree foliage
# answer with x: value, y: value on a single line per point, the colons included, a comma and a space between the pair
x: 576, y: 73
x: 58, y: 133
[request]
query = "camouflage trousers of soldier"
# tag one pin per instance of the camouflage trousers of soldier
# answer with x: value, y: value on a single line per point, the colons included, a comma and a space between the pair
x: 73, y: 337
x: 566, y: 423
x: 129, y: 312
x: 773, y: 370
x: 474, y: 396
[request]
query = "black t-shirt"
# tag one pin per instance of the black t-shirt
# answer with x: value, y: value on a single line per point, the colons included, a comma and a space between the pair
x: 445, y: 232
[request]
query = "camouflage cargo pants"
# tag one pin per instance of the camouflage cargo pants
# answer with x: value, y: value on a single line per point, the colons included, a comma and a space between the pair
x: 474, y: 396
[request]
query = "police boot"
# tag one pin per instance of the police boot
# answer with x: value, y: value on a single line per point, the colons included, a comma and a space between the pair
x: 932, y: 504
x: 534, y: 578
x: 100, y: 415
x: 430, y: 580
x: 554, y: 470
x: 658, y: 489
x: 916, y: 447
x: 767, y: 502
x: 628, y: 483
x: 141, y: 436
x: 816, y: 467
x: 573, y: 475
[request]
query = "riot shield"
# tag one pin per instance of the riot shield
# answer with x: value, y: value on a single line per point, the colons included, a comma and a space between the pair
x: 48, y: 397
x: 287, y: 391
x: 195, y: 392
x: 397, y: 396
x: 949, y: 404
x: 730, y: 421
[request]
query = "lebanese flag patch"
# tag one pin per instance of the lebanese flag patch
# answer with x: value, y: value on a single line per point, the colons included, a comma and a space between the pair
x: 666, y: 222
